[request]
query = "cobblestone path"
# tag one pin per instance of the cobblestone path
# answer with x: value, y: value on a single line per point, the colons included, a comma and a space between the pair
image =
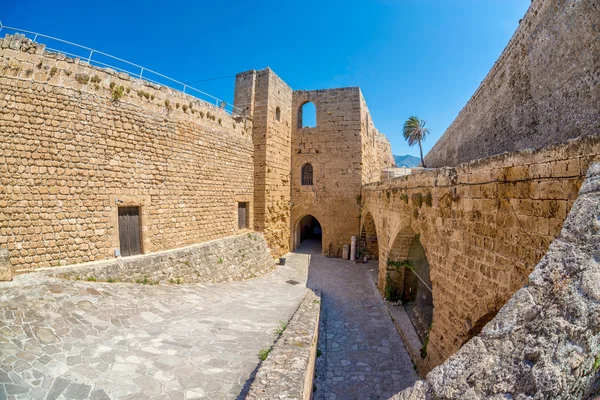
x: 85, y: 340
x: 362, y: 356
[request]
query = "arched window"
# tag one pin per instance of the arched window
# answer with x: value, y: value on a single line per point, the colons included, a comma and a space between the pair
x: 307, y: 175
x: 278, y: 114
x: 307, y: 115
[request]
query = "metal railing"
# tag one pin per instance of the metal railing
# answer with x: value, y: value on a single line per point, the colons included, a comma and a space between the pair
x: 103, y: 60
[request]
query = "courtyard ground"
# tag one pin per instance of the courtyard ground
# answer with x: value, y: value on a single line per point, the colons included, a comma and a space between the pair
x: 86, y: 340
x: 362, y: 354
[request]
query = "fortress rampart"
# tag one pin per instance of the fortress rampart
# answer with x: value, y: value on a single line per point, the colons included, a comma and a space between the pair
x: 75, y: 147
x: 544, y: 89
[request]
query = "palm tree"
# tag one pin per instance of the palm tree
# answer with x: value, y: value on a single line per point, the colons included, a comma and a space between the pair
x: 414, y: 131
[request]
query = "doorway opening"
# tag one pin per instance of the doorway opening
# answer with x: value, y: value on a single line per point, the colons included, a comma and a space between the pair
x: 310, y: 229
x: 129, y: 231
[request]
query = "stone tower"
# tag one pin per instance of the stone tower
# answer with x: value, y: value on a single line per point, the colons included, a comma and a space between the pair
x: 267, y: 100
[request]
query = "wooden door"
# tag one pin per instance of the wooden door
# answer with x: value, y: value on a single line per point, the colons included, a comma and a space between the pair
x: 242, y: 210
x: 129, y: 231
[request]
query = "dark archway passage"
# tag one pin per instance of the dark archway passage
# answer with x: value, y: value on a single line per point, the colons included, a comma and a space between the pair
x: 309, y: 228
x: 407, y: 279
x: 368, y: 245
x: 417, y: 295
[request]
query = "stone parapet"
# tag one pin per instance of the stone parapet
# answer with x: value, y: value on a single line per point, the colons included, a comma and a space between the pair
x: 288, y: 371
x: 222, y: 260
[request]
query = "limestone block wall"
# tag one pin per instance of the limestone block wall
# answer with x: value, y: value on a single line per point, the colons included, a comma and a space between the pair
x: 545, y: 342
x: 267, y: 100
x: 484, y: 225
x: 544, y: 88
x: 221, y: 260
x: 333, y: 148
x: 73, y: 142
x: 376, y: 148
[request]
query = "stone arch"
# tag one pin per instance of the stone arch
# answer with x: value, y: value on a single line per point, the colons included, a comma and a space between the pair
x: 303, y: 229
x: 407, y: 278
x: 307, y: 115
x: 368, y: 240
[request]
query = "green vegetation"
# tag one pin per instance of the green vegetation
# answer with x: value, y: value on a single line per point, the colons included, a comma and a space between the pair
x: 281, y: 328
x: 400, y: 264
x: 95, y: 79
x: 81, y: 78
x: 117, y: 93
x: 391, y: 291
x: 263, y: 354
x: 91, y: 279
x: 53, y: 72
x: 414, y: 132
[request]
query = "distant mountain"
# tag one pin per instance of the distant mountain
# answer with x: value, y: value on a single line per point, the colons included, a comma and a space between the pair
x: 407, y: 161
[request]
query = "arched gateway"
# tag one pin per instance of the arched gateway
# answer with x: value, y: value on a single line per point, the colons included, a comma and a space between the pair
x: 308, y: 230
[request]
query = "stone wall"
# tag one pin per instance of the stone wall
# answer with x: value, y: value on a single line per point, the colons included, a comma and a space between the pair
x: 73, y: 143
x: 544, y: 88
x: 267, y: 100
x: 333, y: 148
x: 289, y: 369
x: 376, y: 149
x: 345, y: 151
x: 221, y: 260
x: 484, y: 226
x: 545, y: 342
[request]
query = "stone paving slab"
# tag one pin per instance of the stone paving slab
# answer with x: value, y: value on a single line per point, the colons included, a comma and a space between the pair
x: 86, y: 340
x: 362, y: 354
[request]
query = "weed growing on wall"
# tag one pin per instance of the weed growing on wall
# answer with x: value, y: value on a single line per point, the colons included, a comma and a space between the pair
x: 117, y: 93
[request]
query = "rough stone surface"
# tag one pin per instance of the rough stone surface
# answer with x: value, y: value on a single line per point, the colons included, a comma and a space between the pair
x: 484, y: 226
x: 362, y: 355
x: 287, y: 372
x: 67, y: 339
x: 68, y: 151
x: 345, y: 149
x: 221, y: 260
x: 544, y: 89
x: 6, y: 272
x: 545, y: 342
x: 267, y: 99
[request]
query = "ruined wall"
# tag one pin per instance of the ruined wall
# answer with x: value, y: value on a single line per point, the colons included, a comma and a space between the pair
x: 484, y: 226
x: 267, y: 100
x: 544, y: 88
x: 545, y: 342
x: 73, y: 142
x: 333, y: 148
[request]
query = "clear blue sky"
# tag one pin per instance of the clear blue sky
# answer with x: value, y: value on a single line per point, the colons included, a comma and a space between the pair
x: 410, y: 57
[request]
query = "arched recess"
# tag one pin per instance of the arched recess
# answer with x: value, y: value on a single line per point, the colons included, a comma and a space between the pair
x: 307, y: 115
x: 308, y: 229
x: 408, y: 279
x: 368, y: 245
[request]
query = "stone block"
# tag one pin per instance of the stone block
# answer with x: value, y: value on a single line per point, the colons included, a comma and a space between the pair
x: 6, y: 272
